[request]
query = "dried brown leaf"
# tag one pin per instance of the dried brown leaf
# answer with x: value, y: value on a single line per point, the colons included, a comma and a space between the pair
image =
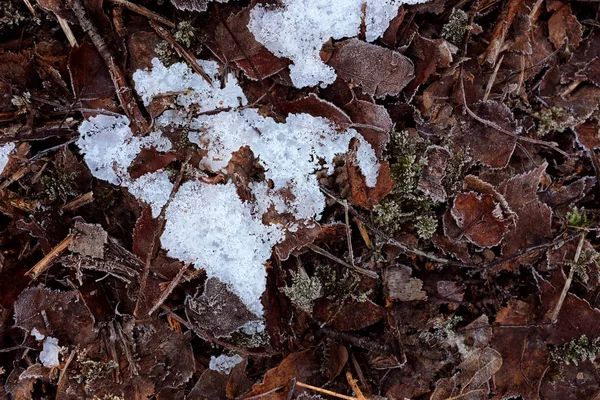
x: 379, y: 71
x: 479, y: 218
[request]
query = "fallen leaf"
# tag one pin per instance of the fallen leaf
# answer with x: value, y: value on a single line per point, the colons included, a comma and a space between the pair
x: 400, y: 286
x: 480, y: 218
x: 432, y: 176
x: 563, y: 26
x: 488, y: 146
x: 379, y: 71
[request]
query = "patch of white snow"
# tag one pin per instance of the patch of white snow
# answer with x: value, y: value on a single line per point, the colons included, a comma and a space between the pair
x: 299, y: 29
x: 224, y: 364
x: 5, y: 151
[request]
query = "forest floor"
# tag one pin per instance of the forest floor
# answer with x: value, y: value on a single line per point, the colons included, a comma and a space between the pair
x: 299, y: 199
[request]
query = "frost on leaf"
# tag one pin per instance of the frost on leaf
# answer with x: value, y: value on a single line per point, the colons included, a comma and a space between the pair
x: 278, y: 29
x: 534, y: 218
x: 487, y: 145
x: 379, y: 71
x: 479, y: 218
x: 400, y: 286
x: 5, y: 151
x: 218, y: 310
x: 224, y: 363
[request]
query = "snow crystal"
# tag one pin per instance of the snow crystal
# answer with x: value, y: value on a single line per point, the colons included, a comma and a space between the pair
x: 190, y: 87
x: 50, y: 349
x: 299, y: 29
x: 289, y: 152
x: 109, y: 147
x: 206, y: 224
x: 5, y: 151
x: 49, y: 354
x: 224, y: 364
x: 210, y: 226
x: 38, y: 336
x: 154, y: 189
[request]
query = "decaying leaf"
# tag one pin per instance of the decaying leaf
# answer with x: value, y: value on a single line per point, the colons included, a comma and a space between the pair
x: 88, y: 240
x: 430, y: 181
x: 487, y: 145
x: 218, y: 310
x: 479, y: 218
x: 379, y: 71
x: 400, y: 286
x: 563, y: 26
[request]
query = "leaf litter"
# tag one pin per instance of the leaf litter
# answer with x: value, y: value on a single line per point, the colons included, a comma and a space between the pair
x: 379, y: 199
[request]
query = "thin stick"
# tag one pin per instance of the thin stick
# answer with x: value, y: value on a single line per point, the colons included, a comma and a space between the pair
x: 30, y: 7
x: 169, y: 289
x: 145, y: 12
x: 354, y: 386
x: 155, y: 245
x: 490, y: 84
x: 325, y: 391
x: 49, y: 259
x: 348, y: 233
x: 124, y: 93
x: 79, y: 201
x: 163, y: 33
x: 563, y: 294
x: 67, y: 30
x: 323, y: 252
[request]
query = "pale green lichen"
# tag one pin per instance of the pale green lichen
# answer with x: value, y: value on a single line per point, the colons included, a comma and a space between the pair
x: 554, y: 119
x: 458, y: 24
x: 165, y: 53
x: 443, y: 330
x: 304, y: 290
x: 576, y: 351
x: 92, y: 370
x: 185, y: 33
x: 580, y: 268
x: 426, y: 226
x: 243, y: 340
x: 23, y: 100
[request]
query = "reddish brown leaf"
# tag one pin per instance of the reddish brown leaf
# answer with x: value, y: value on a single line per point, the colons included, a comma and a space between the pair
x: 90, y: 78
x: 300, y: 366
x: 352, y: 316
x: 533, y: 225
x: 365, y: 196
x: 374, y: 123
x: 480, y: 218
x: 563, y: 26
x: 379, y: 71
x: 487, y: 145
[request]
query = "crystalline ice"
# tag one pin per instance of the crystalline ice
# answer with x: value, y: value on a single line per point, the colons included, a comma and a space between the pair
x: 224, y: 364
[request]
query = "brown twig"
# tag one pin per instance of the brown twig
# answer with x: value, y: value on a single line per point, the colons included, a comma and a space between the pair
x: 325, y: 391
x: 187, y: 56
x: 49, y: 259
x: 64, y: 25
x: 124, y: 92
x: 323, y: 252
x: 492, y: 79
x: 565, y: 290
x: 155, y: 246
x: 79, y: 201
x: 145, y: 12
x: 500, y: 31
x: 169, y: 289
x: 353, y: 384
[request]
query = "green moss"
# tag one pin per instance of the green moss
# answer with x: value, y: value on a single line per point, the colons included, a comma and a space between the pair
x: 165, y: 53
x: 406, y: 203
x: 553, y: 119
x: 576, y: 351
x: 577, y: 218
x: 458, y: 24
x: 243, y: 340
